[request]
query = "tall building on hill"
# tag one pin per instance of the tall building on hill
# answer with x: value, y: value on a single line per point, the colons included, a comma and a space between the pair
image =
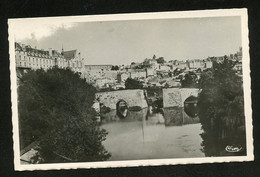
x: 239, y: 54
x: 28, y: 57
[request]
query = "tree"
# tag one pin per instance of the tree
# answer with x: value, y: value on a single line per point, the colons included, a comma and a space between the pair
x: 177, y: 71
x: 133, y: 84
x: 55, y: 108
x: 189, y: 80
x: 115, y: 68
x: 221, y: 109
x: 160, y: 60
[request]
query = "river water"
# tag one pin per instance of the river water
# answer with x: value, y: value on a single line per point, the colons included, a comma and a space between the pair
x: 146, y: 135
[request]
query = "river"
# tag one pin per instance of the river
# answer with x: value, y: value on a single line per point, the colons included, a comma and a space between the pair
x: 147, y: 135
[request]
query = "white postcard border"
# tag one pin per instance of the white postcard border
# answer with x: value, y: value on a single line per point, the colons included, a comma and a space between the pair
x: 139, y: 16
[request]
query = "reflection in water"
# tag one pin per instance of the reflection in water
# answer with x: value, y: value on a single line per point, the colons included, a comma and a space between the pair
x: 190, y: 106
x: 220, y: 141
x: 177, y: 116
x: 147, y: 135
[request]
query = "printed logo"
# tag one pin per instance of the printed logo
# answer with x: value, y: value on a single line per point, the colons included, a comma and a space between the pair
x: 233, y: 149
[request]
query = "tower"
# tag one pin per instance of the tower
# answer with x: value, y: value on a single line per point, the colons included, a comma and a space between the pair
x: 62, y: 51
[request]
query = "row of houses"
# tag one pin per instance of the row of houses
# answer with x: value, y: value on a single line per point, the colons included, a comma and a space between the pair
x: 104, y: 75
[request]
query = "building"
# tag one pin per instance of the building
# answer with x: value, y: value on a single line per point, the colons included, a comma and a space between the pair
x: 182, y: 65
x: 164, y: 68
x: 239, y: 54
x: 100, y: 76
x: 94, y: 72
x: 33, y: 58
x: 74, y: 60
x: 137, y: 73
x: 150, y: 72
x: 208, y: 63
x: 122, y: 77
x: 104, y: 82
x: 98, y: 67
x: 196, y: 63
x: 111, y: 74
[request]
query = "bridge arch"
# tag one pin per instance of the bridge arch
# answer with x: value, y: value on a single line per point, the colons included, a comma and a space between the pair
x: 189, y: 94
x: 122, y: 108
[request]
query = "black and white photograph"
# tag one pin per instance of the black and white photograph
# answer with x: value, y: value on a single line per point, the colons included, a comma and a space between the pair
x: 130, y: 89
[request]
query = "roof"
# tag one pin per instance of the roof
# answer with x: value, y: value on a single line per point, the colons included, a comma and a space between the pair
x: 31, y: 51
x: 56, y: 53
x: 36, y: 52
x: 70, y: 54
x: 18, y: 46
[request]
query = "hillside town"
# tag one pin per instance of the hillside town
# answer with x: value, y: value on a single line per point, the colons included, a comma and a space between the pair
x: 152, y: 72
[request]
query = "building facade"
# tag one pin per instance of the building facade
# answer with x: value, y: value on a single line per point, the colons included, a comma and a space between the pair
x: 33, y: 58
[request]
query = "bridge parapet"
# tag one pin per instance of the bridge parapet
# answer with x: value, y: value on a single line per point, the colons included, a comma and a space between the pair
x: 131, y: 97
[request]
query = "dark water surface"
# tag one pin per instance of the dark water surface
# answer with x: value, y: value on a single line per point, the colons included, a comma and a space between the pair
x: 170, y: 133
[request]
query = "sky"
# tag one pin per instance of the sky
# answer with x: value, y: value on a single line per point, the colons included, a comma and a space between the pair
x: 123, y: 42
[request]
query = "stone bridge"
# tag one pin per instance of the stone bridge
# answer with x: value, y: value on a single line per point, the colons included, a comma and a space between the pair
x: 131, y: 97
x: 175, y: 97
x: 172, y: 97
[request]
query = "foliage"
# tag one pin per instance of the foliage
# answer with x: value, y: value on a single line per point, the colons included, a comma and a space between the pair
x: 160, y: 60
x: 55, y: 108
x: 115, y: 68
x: 106, y: 89
x: 189, y: 80
x: 178, y: 71
x: 134, y: 108
x: 221, y: 108
x: 133, y: 84
x: 104, y: 109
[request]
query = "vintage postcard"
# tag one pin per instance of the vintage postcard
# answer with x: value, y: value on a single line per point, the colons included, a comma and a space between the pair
x: 130, y: 90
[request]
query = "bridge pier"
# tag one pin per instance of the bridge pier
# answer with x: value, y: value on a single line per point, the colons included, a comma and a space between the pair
x: 175, y: 97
